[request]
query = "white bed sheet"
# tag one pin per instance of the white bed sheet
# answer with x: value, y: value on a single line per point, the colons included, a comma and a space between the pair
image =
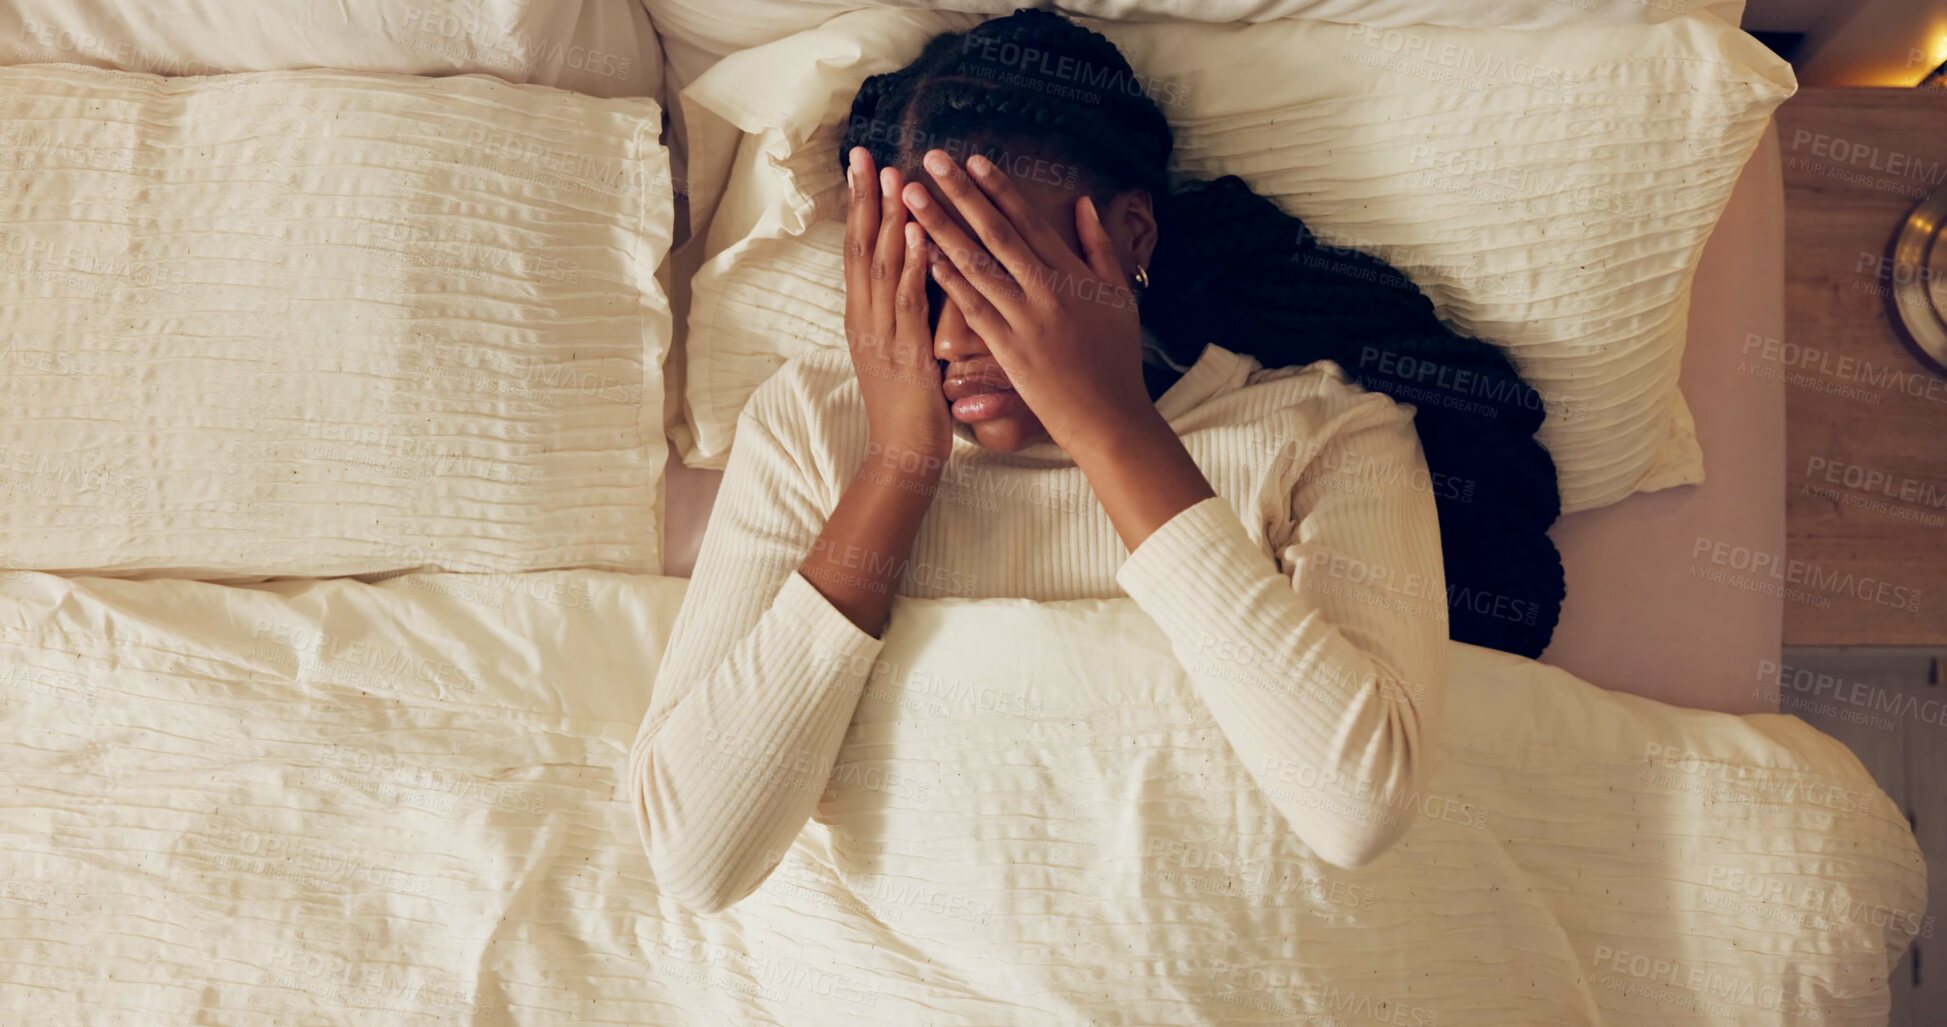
x: 325, y: 802
x: 331, y: 802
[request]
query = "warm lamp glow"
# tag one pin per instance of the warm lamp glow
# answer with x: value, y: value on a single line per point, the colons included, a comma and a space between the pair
x: 1930, y: 60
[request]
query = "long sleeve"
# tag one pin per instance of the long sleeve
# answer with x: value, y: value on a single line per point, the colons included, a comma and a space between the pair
x: 1325, y: 665
x: 755, y: 692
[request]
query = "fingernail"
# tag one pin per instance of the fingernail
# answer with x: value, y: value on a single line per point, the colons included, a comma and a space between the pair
x: 937, y: 162
x: 979, y: 165
x: 912, y: 235
x: 852, y: 178
x: 1093, y: 215
x: 885, y: 181
x: 916, y: 197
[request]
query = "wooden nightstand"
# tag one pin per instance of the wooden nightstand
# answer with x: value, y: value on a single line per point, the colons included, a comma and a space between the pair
x: 1866, y: 470
x: 1866, y: 420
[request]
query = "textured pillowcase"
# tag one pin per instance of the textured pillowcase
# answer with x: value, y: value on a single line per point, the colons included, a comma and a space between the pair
x: 1550, y: 191
x: 1500, y: 14
x: 698, y: 33
x: 598, y: 47
x: 318, y: 323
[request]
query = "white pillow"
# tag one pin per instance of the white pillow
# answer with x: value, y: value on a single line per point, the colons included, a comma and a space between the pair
x: 1501, y: 14
x: 599, y: 47
x: 319, y: 323
x: 1551, y: 191
x: 698, y: 33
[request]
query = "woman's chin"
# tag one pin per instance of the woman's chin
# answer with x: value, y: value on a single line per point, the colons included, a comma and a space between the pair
x: 1007, y: 434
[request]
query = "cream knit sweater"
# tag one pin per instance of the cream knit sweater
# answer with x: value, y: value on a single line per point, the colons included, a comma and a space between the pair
x: 1306, y: 602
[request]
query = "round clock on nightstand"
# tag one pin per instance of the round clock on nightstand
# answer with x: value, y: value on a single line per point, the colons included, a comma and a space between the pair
x: 1920, y: 278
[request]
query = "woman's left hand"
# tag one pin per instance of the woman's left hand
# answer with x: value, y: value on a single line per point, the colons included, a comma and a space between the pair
x: 1062, y: 325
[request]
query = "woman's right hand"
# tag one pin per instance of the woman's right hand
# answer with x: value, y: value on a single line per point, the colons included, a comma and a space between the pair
x: 862, y: 553
x: 886, y: 323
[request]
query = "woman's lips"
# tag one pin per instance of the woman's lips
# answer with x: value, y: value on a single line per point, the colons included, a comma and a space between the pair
x: 985, y: 406
x: 974, y: 382
x: 979, y: 393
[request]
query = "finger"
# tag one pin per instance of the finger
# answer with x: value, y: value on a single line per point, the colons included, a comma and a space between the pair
x: 975, y: 265
x: 909, y: 305
x: 888, y: 251
x: 1098, y: 250
x: 981, y: 315
x: 861, y: 217
x: 992, y: 227
x: 1041, y: 236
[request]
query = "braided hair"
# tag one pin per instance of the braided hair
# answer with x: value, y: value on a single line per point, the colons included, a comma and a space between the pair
x: 1232, y: 267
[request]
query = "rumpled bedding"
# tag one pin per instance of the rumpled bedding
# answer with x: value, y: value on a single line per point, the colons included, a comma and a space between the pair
x: 399, y: 803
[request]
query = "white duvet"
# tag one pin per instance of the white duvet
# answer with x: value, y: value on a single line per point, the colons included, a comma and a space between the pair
x: 330, y: 802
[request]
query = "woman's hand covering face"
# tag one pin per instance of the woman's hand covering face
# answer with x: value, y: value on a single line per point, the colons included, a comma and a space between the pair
x: 886, y: 326
x: 1062, y: 324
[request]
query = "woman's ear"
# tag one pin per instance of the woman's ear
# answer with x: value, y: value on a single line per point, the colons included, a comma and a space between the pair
x: 1130, y: 218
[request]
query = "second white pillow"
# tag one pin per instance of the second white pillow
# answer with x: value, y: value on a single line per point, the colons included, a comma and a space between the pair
x: 1551, y: 191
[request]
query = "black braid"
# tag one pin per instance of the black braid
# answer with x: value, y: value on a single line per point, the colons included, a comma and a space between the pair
x: 1232, y: 268
x: 986, y: 89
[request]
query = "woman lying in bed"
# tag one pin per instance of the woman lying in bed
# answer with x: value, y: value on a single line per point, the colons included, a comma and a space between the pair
x: 1108, y: 387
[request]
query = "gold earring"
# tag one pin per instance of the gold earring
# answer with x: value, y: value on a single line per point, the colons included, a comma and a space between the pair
x: 1142, y: 276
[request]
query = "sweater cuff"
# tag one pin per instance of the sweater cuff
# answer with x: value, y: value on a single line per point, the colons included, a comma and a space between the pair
x: 1200, y: 564
x: 1190, y: 545
x: 827, y: 633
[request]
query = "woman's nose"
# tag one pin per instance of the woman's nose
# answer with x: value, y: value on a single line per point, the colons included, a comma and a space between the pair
x: 952, y: 339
